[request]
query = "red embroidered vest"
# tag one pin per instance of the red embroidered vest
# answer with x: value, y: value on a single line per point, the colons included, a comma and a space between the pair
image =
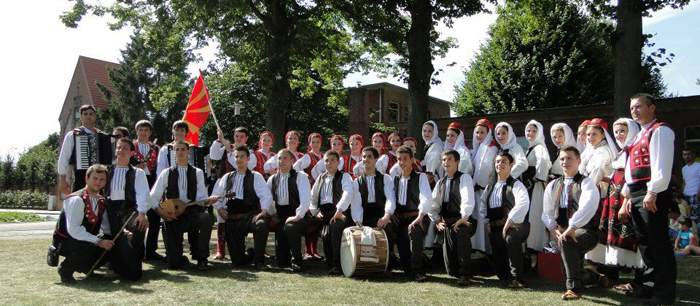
x: 261, y: 159
x: 151, y: 158
x: 639, y: 156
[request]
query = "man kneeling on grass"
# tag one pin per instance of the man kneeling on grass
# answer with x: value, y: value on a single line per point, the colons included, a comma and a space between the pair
x: 77, y: 235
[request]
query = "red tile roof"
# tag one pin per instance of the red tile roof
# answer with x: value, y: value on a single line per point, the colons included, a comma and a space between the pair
x: 95, y: 71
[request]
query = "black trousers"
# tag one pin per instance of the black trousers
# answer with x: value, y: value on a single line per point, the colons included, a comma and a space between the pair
x: 411, y: 244
x: 507, y: 253
x: 193, y: 221
x: 651, y: 230
x: 81, y: 255
x: 457, y: 249
x: 236, y: 232
x: 332, y: 233
x: 117, y: 217
x: 153, y: 223
x: 573, y: 255
x: 288, y: 240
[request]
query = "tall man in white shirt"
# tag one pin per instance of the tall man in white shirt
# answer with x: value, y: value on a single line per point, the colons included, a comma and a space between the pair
x: 413, y: 202
x: 223, y: 149
x: 452, y: 214
x: 691, y: 180
x: 330, y: 200
x: 504, y: 206
x: 77, y: 235
x: 572, y: 215
x: 127, y: 191
x: 245, y: 210
x: 291, y: 193
x: 185, y: 182
x: 648, y: 175
x: 146, y: 157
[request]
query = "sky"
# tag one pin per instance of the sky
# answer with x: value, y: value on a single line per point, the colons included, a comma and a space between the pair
x: 40, y: 55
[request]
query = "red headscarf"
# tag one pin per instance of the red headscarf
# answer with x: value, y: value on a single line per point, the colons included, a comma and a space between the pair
x: 268, y: 133
x: 383, y: 141
x: 585, y: 123
x: 460, y: 127
x: 342, y: 141
x: 599, y: 122
x: 409, y: 138
x: 320, y: 138
x: 358, y: 137
x: 485, y: 122
x: 287, y: 136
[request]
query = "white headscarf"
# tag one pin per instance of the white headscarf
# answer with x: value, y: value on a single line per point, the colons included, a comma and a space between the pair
x: 477, y: 147
x: 459, y: 143
x: 569, y: 139
x: 436, y: 138
x: 512, y: 139
x: 632, y: 131
x: 539, y: 139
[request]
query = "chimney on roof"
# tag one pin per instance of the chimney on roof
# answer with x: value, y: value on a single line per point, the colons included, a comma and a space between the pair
x: 359, y: 84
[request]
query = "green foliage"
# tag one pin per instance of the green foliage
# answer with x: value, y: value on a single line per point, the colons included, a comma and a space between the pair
x: 35, y: 168
x: 18, y: 217
x: 23, y: 199
x: 540, y: 55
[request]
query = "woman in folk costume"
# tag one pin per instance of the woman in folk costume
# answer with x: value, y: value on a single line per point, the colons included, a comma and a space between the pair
x: 617, y: 246
x: 291, y: 139
x: 355, y: 157
x: 535, y: 179
x: 313, y: 155
x: 263, y: 154
x: 506, y: 140
x: 337, y: 144
x: 454, y: 139
x: 432, y: 151
x: 484, y: 152
x: 581, y: 143
x: 388, y: 159
x: 561, y: 135
x: 597, y: 164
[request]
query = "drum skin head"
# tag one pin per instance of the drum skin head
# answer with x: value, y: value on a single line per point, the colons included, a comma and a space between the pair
x: 348, y: 252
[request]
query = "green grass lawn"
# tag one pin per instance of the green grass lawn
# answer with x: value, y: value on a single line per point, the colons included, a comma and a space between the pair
x: 27, y: 280
x: 15, y: 217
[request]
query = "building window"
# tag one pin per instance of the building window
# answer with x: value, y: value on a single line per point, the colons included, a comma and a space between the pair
x: 393, y: 112
x: 405, y: 113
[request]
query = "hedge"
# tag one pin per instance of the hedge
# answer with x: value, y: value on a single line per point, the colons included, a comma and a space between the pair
x: 23, y: 199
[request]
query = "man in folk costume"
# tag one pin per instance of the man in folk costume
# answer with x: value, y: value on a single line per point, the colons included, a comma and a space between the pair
x: 504, y: 206
x: 145, y: 157
x: 374, y: 199
x: 246, y: 210
x: 413, y: 201
x: 77, y: 235
x: 185, y: 182
x: 291, y: 193
x: 648, y: 176
x: 127, y: 191
x: 222, y: 150
x: 98, y: 150
x: 452, y: 213
x: 331, y: 198
x: 410, y: 143
x: 571, y: 213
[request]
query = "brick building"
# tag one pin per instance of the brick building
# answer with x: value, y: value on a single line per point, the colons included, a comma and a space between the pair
x: 83, y: 90
x: 387, y: 104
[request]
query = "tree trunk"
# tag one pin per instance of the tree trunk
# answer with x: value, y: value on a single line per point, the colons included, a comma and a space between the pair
x: 278, y: 90
x: 420, y: 68
x: 627, y: 49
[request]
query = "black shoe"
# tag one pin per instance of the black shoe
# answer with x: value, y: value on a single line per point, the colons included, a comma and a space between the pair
x: 641, y: 292
x: 420, y: 277
x: 261, y: 266
x: 154, y: 256
x: 297, y: 268
x: 335, y: 271
x: 464, y: 281
x: 66, y: 277
x: 202, y: 265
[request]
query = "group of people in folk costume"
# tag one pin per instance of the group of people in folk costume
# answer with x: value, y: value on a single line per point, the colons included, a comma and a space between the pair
x: 601, y: 198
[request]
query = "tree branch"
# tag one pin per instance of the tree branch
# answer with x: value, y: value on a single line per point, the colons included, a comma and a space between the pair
x: 257, y: 12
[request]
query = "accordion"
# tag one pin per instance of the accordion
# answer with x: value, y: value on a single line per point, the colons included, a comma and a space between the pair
x: 90, y: 149
x: 197, y: 155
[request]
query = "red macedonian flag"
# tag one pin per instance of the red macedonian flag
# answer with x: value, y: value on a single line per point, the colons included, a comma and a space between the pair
x: 197, y: 111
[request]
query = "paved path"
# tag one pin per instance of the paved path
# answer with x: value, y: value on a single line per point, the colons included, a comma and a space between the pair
x: 27, y: 230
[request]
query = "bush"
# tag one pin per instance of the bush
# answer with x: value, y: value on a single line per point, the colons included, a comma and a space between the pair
x: 16, y: 217
x: 23, y: 199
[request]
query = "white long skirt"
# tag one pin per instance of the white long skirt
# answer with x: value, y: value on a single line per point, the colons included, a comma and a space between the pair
x: 539, y: 235
x: 615, y: 257
x: 480, y: 240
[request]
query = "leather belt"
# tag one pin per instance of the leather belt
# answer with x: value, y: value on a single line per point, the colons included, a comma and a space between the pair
x: 406, y: 215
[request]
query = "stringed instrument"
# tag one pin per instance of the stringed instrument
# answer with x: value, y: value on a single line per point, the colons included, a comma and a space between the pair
x: 177, y: 206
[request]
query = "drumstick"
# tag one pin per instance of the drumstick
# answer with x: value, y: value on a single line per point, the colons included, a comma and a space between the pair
x: 114, y: 239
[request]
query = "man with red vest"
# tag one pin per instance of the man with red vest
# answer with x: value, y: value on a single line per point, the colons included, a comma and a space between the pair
x: 648, y: 175
x: 77, y: 234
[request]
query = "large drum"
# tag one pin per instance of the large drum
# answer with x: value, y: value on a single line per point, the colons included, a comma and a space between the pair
x: 364, y: 251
